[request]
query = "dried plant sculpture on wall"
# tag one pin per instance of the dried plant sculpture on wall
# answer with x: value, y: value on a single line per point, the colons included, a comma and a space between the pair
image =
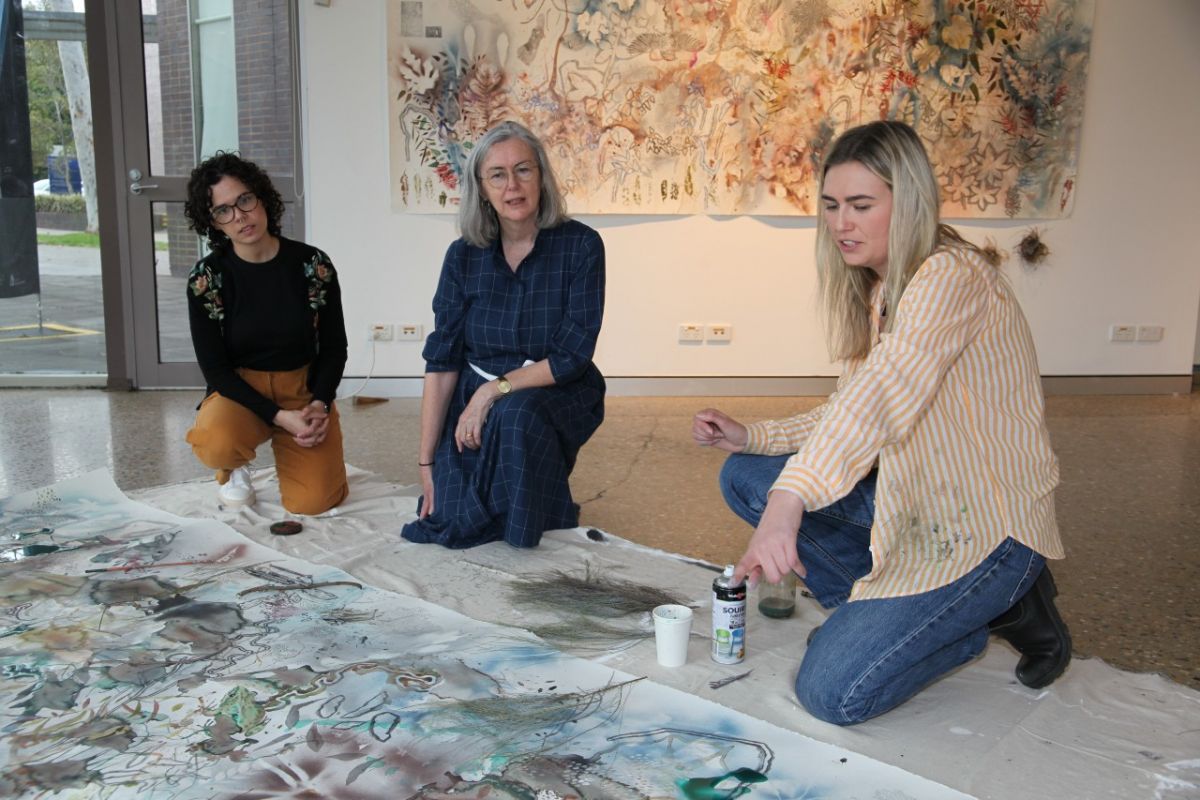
x: 1032, y: 249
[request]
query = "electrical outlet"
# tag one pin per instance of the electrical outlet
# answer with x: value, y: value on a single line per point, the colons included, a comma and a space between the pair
x: 718, y: 332
x: 1150, y: 333
x: 691, y: 332
x: 409, y: 332
x: 380, y: 332
x: 1122, y: 333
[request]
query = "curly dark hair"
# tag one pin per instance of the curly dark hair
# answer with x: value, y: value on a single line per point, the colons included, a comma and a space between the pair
x: 198, y: 206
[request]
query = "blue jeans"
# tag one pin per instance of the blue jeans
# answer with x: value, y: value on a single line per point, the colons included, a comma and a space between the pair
x: 871, y: 655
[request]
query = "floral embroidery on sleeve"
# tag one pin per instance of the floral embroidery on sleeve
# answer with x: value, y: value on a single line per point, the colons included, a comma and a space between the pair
x: 205, y: 283
x: 320, y: 273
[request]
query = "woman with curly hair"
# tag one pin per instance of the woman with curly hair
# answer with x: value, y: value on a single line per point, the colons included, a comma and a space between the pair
x: 918, y: 501
x: 266, y: 320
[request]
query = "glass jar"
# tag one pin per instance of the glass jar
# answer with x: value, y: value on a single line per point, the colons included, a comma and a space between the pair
x: 778, y: 600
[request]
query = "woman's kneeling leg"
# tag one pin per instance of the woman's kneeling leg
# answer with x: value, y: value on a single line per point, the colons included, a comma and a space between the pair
x: 745, y: 481
x: 312, y: 480
x: 872, y: 655
x: 226, y: 435
x: 529, y: 478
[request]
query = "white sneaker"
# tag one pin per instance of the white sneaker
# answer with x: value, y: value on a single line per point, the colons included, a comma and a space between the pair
x: 237, y: 491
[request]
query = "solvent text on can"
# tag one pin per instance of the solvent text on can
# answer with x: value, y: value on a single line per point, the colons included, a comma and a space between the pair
x: 728, y: 619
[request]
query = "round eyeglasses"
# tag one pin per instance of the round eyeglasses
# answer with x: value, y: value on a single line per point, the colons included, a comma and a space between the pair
x: 246, y: 202
x: 524, y: 173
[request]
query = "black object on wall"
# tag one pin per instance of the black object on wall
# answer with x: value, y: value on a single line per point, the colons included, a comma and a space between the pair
x: 18, y: 218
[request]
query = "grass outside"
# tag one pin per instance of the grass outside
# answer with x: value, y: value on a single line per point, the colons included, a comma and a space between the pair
x: 81, y: 239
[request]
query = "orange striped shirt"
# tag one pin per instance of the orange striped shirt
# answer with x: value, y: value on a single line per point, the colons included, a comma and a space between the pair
x: 949, y: 402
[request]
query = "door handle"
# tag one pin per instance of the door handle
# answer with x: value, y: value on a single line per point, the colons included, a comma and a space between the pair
x: 136, y: 186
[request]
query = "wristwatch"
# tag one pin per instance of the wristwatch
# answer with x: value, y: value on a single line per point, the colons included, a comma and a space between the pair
x: 502, y: 385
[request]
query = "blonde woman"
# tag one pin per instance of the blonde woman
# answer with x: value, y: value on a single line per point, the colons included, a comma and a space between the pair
x: 917, y: 502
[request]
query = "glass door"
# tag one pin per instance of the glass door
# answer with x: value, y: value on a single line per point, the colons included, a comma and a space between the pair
x: 51, y: 318
x: 197, y: 76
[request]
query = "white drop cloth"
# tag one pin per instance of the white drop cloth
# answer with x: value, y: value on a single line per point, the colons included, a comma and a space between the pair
x: 1096, y: 733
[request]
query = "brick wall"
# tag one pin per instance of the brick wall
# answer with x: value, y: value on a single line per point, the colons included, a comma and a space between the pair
x: 261, y: 37
x: 264, y: 86
x: 264, y: 101
x: 179, y: 143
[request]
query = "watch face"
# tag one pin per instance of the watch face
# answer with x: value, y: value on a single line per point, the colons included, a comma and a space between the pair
x: 504, y: 386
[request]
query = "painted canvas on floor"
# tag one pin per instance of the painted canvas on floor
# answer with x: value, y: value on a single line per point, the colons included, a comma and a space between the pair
x: 699, y: 106
x: 143, y: 655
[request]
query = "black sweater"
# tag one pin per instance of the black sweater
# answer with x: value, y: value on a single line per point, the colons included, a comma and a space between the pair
x: 275, y: 316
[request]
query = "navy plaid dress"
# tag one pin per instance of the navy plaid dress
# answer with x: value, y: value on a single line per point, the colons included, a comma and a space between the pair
x: 514, y: 487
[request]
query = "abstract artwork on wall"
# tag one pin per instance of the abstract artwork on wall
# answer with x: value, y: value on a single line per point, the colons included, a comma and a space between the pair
x: 717, y: 107
x: 144, y: 655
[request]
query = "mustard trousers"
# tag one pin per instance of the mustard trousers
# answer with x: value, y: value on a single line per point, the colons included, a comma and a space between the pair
x: 226, y: 434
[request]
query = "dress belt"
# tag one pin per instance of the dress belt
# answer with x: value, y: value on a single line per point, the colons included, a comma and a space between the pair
x: 487, y: 376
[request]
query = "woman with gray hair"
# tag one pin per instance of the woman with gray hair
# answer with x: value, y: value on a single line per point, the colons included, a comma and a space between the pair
x: 511, y: 392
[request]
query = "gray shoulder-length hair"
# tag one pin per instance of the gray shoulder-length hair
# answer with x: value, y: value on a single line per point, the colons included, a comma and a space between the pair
x: 477, y: 221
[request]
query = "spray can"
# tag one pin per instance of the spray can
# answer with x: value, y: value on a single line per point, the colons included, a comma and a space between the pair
x: 728, y: 619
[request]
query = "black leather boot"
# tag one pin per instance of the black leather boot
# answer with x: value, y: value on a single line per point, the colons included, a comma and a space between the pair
x: 1034, y: 627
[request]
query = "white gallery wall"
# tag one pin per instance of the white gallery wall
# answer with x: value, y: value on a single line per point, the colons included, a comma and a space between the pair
x: 1127, y: 254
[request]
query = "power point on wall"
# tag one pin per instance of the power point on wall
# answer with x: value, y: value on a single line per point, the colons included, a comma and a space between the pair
x: 409, y: 332
x: 1122, y: 333
x: 718, y: 332
x: 691, y: 332
x: 1150, y: 333
x: 380, y: 332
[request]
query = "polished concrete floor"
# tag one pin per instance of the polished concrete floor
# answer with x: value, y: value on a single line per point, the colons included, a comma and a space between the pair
x: 1129, y: 503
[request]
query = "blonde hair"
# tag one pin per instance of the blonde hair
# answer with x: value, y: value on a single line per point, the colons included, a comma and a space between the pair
x: 894, y: 154
x: 477, y: 220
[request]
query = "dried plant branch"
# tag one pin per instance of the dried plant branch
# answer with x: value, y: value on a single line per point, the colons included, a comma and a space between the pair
x: 592, y: 595
x: 586, y: 634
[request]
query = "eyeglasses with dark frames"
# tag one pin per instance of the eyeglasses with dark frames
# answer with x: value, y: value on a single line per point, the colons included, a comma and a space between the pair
x: 246, y: 202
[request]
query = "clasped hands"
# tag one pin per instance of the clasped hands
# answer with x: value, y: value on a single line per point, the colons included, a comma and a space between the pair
x: 308, y: 425
x: 771, y: 553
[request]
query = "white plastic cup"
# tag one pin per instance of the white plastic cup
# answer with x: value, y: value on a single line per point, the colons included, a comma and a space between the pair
x: 672, y: 628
